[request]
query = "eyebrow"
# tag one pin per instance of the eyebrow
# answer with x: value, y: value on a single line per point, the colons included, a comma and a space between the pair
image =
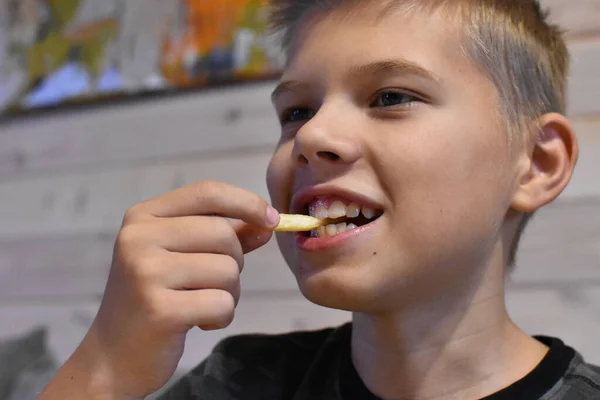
x: 378, y: 67
x: 398, y: 66
x: 285, y: 86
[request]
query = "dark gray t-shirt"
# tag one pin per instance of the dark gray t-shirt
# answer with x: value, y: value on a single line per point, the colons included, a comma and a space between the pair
x: 317, y: 366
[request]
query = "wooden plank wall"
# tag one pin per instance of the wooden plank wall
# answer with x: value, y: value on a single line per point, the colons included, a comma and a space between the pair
x: 66, y: 180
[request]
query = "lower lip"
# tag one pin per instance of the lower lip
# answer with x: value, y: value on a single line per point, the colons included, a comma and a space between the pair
x: 323, y: 243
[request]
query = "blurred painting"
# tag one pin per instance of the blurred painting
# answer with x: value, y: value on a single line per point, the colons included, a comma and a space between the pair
x: 55, y: 52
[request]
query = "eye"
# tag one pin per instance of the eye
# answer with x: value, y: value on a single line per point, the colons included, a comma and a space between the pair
x: 391, y: 98
x: 296, y: 114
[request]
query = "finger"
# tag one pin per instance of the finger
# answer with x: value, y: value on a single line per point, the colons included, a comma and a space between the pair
x: 201, y: 271
x: 208, y: 309
x: 210, y: 198
x: 251, y: 237
x: 195, y: 235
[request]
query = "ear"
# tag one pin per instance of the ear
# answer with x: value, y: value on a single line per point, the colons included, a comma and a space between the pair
x: 548, y: 163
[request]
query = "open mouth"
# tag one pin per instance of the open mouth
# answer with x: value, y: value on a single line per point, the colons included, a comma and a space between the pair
x: 342, y: 216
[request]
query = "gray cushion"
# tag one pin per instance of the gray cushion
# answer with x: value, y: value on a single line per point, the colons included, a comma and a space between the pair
x: 26, y: 365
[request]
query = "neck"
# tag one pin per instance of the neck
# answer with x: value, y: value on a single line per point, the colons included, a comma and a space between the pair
x: 452, y: 347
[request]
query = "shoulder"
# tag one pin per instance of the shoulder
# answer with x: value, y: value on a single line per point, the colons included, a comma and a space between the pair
x: 261, y: 364
x: 581, y: 381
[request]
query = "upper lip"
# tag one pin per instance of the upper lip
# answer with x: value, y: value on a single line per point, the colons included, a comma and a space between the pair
x: 304, y: 196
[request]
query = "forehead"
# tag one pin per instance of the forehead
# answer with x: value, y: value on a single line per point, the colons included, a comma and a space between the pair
x: 350, y: 37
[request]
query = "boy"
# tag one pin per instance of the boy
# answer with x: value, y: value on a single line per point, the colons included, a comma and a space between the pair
x: 430, y: 130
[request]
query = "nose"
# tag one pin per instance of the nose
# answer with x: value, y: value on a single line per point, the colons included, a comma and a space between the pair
x: 326, y: 141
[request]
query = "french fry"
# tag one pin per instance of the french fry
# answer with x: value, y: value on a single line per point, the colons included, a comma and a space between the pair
x: 297, y: 223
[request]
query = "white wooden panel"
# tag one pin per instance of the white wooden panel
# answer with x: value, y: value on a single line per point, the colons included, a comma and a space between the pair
x: 56, y: 233
x: 67, y: 324
x: 186, y: 126
x: 561, y: 245
x: 96, y: 202
x: 585, y: 181
x: 572, y: 314
x: 54, y: 268
x: 75, y: 267
x: 190, y: 126
x: 576, y: 16
x: 584, y: 82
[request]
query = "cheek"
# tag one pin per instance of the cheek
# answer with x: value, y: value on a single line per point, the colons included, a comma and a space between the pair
x: 273, y: 182
x: 279, y: 178
x: 449, y: 184
x: 285, y: 242
x: 460, y: 162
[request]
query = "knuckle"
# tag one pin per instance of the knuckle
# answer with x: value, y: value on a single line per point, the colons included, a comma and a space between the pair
x: 224, y: 304
x: 227, y: 242
x: 132, y: 214
x: 134, y: 260
x: 161, y: 315
x: 160, y: 312
x: 154, y: 309
x: 236, y: 292
x: 224, y: 233
x: 128, y: 237
x: 230, y: 271
x: 127, y: 247
x: 145, y: 269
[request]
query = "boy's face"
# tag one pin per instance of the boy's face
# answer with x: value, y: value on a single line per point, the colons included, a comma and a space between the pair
x: 388, y: 112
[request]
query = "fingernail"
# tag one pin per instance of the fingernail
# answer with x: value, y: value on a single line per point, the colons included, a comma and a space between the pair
x: 272, y: 216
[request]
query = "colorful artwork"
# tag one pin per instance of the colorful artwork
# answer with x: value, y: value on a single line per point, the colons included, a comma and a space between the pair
x: 59, y: 51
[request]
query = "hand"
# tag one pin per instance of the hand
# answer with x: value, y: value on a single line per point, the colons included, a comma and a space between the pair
x: 176, y: 265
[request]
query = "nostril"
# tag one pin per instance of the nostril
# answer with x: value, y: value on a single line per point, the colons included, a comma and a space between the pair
x: 302, y: 160
x: 328, y: 155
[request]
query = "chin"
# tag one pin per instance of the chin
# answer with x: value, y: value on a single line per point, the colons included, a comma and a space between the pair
x: 339, y: 288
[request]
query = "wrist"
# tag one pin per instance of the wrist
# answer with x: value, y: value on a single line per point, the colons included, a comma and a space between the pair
x: 98, y: 372
x: 87, y: 374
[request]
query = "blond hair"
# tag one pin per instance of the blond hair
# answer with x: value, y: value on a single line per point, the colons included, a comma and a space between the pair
x: 512, y: 42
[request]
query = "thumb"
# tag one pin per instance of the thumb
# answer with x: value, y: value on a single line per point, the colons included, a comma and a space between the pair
x: 251, y: 237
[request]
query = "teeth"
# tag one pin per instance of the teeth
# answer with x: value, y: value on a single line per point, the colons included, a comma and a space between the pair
x: 337, y: 209
x: 334, y: 229
x: 353, y: 210
x: 321, y: 231
x: 331, y: 230
x: 369, y: 213
x: 321, y: 212
x: 312, y: 207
